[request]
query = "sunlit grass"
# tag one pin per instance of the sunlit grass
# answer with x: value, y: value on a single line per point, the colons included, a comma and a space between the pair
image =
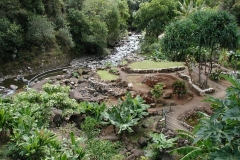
x: 105, y: 75
x: 154, y: 65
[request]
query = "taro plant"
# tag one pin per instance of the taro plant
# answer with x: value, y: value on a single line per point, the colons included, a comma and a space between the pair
x: 194, y: 150
x: 94, y: 110
x: 48, y: 88
x: 161, y: 143
x: 217, y: 136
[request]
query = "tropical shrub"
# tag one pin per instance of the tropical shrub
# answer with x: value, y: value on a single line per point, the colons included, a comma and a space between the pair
x: 157, y: 90
x: 102, y: 149
x: 32, y: 144
x: 216, y: 75
x: 89, y: 128
x: 217, y: 136
x: 113, y: 71
x: 94, y: 110
x: 161, y: 144
x: 179, y: 88
x: 40, y: 31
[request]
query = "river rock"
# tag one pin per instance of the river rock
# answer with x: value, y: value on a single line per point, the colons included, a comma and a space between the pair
x: 65, y: 70
x: 142, y: 142
x: 24, y: 80
x: 1, y: 75
x: 75, y: 95
x: 138, y: 153
x: 13, y: 87
x: 58, y: 120
x: 131, y: 157
x: 167, y: 95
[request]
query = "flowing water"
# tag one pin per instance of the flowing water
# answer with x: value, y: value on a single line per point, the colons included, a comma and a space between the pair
x: 128, y: 46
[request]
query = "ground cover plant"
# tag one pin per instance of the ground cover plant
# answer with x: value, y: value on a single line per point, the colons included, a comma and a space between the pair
x: 105, y: 75
x: 24, y: 118
x: 154, y: 65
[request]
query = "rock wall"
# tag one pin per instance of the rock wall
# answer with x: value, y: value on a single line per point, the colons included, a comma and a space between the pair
x: 161, y: 70
x: 194, y: 87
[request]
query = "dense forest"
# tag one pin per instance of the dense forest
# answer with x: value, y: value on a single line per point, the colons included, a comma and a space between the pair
x: 61, y: 120
x: 32, y: 27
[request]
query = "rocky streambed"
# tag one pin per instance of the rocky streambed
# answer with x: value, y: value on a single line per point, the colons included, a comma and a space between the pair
x: 126, y: 49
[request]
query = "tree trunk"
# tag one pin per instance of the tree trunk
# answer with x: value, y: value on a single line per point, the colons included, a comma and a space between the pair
x: 199, y: 64
x: 211, y: 60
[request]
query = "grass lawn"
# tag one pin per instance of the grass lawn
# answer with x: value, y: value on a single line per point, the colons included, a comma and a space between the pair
x: 105, y: 75
x: 154, y: 65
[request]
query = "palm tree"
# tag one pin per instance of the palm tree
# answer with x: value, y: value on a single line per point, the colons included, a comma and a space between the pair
x: 187, y: 7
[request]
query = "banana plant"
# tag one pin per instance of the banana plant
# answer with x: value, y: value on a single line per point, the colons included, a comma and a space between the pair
x: 94, y: 110
x: 137, y: 105
x: 199, y: 149
x: 162, y: 143
x: 121, y: 118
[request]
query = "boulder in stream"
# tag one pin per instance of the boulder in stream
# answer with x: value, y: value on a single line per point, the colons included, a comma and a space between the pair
x: 13, y: 87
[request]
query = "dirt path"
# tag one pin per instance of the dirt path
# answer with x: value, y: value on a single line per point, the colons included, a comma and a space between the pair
x: 176, y: 110
x: 179, y: 109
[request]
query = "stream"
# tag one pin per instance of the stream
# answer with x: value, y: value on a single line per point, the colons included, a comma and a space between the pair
x: 127, y: 47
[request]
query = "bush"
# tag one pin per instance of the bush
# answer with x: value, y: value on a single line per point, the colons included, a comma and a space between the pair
x: 114, y: 71
x: 65, y: 37
x: 179, y: 88
x: 40, y: 31
x: 216, y: 75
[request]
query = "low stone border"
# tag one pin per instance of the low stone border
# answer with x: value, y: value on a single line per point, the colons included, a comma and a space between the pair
x: 161, y: 70
x: 194, y: 87
x: 184, y: 116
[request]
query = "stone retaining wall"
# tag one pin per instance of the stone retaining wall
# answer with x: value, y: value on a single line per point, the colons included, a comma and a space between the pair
x: 161, y: 70
x: 194, y: 87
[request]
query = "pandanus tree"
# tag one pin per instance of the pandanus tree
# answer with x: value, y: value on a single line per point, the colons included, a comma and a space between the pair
x: 178, y: 38
x: 220, y: 29
x: 186, y: 7
x: 203, y: 29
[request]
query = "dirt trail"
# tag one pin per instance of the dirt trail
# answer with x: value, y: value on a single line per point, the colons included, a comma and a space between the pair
x: 179, y: 109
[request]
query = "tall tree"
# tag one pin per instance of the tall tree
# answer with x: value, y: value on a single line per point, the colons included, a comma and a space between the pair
x: 178, y: 37
x: 11, y: 38
x: 154, y: 15
x: 40, y: 32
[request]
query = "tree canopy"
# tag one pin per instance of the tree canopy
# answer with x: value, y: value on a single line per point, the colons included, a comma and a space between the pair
x: 87, y: 26
x: 154, y: 15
